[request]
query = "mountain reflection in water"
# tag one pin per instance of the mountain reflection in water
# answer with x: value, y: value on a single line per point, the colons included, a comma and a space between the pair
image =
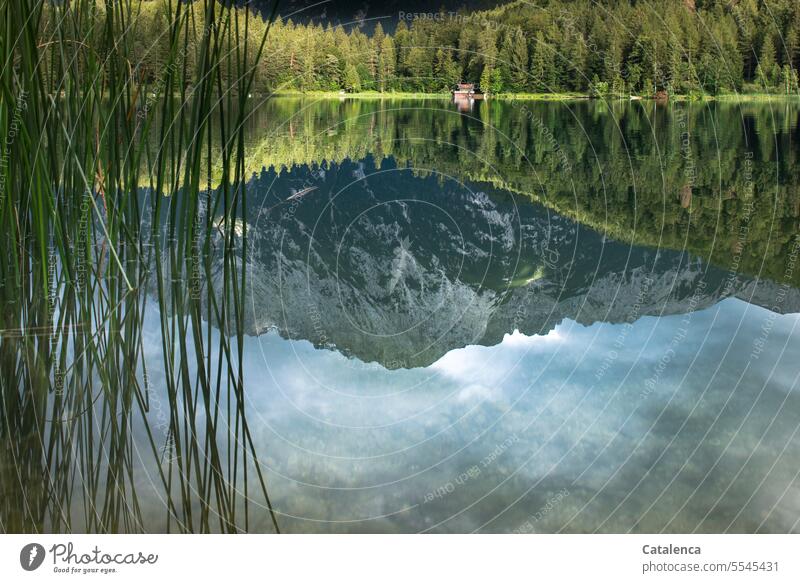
x: 399, y: 269
x: 435, y: 354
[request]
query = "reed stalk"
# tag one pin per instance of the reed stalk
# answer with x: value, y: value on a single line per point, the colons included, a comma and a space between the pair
x: 108, y: 218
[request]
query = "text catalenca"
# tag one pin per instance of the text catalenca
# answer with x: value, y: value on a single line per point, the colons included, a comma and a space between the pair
x: 669, y: 550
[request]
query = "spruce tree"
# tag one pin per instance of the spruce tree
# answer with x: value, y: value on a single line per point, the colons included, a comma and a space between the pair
x: 487, y: 49
x: 386, y: 65
x: 514, y: 60
x: 352, y: 80
x: 541, y: 77
x: 767, y: 70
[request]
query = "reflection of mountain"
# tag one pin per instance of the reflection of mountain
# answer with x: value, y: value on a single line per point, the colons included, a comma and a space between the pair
x: 693, y: 176
x: 391, y: 267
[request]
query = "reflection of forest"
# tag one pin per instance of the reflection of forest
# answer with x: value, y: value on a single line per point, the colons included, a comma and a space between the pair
x: 720, y: 180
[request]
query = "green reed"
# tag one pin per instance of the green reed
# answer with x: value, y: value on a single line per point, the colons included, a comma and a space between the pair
x: 106, y: 216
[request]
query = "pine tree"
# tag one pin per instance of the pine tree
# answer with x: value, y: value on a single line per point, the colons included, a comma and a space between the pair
x: 452, y: 72
x: 466, y: 49
x: 386, y: 65
x: 308, y: 58
x: 352, y: 80
x: 574, y: 63
x: 793, y: 39
x: 445, y: 70
x: 402, y: 40
x: 373, y: 50
x: 378, y: 36
x: 641, y: 65
x: 419, y: 67
x: 788, y: 79
x: 746, y: 13
x: 541, y: 77
x: 514, y: 60
x: 487, y: 49
x: 674, y: 75
x: 331, y: 72
x: 767, y: 69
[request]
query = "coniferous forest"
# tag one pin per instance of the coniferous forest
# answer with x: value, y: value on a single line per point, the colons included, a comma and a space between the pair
x: 547, y: 46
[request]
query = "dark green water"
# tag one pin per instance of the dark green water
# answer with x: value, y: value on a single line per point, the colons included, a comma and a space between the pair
x: 549, y: 317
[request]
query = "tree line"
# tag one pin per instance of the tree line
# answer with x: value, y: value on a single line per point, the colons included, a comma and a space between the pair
x: 547, y: 46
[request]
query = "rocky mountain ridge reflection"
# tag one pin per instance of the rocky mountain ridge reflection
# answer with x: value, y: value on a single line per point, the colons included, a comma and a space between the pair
x: 389, y: 266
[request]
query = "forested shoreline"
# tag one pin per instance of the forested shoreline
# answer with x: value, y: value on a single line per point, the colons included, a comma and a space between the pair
x: 550, y: 46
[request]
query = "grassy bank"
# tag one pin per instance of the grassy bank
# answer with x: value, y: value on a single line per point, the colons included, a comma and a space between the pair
x: 756, y: 97
x: 362, y: 95
x: 540, y: 96
x: 536, y: 96
x: 430, y: 95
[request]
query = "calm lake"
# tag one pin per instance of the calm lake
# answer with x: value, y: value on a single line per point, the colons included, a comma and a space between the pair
x: 517, y: 317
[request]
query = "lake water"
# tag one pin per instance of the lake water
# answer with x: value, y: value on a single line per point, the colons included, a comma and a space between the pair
x: 520, y: 317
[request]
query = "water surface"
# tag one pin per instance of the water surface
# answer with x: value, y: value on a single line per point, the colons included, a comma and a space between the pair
x: 528, y: 317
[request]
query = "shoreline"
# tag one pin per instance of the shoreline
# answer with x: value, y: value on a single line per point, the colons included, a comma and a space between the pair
x: 389, y: 95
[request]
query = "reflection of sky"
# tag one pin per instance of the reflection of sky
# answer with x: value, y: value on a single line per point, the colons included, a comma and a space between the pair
x: 684, y: 427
